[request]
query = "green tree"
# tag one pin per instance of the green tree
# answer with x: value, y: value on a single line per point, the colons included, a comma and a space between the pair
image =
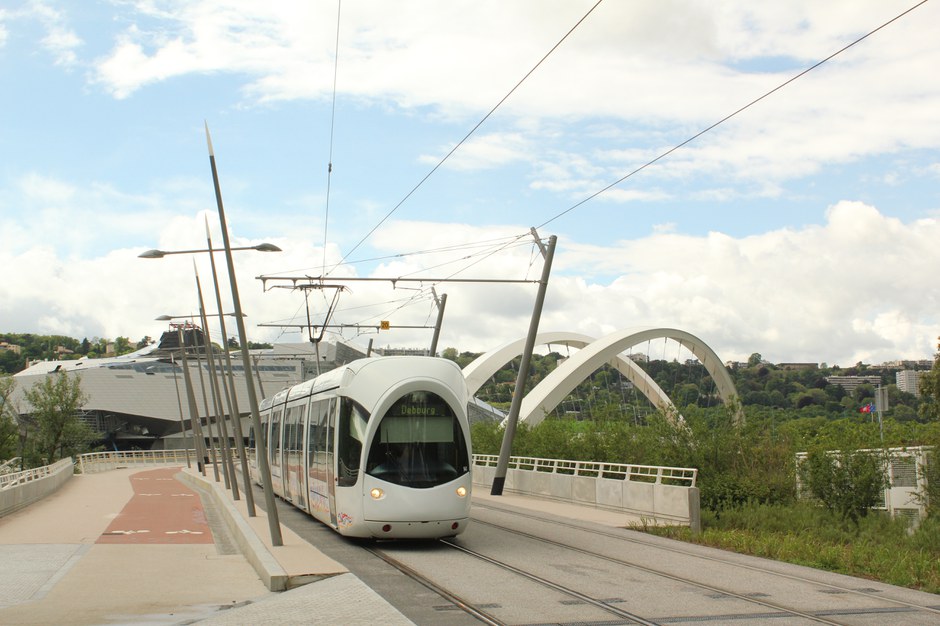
x: 8, y: 429
x: 58, y: 432
x: 848, y: 482
x: 122, y: 345
x: 930, y: 388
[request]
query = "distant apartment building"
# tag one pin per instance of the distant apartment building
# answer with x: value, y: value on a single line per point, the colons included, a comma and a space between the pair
x: 10, y: 347
x: 851, y: 383
x: 390, y: 351
x: 906, y: 364
x: 909, y: 381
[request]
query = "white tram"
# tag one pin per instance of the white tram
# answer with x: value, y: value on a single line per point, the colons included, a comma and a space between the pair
x: 377, y: 448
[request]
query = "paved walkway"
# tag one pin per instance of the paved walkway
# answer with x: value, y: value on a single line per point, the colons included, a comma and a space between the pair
x: 137, y: 546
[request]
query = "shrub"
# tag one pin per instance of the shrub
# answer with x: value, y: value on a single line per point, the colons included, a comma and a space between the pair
x: 848, y: 482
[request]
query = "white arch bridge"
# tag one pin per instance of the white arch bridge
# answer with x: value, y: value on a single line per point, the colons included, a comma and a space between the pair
x: 592, y: 354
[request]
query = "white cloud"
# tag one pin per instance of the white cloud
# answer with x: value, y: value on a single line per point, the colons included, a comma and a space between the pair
x: 633, y: 81
x: 841, y: 292
x: 59, y: 40
x: 626, y: 63
x: 482, y: 152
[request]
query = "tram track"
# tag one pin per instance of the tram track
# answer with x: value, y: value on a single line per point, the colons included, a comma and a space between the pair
x: 933, y: 610
x: 685, y: 581
x: 487, y: 618
x: 500, y: 600
x: 465, y: 606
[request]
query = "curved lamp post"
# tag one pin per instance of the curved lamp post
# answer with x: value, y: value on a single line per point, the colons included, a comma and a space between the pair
x: 230, y: 390
x: 159, y: 254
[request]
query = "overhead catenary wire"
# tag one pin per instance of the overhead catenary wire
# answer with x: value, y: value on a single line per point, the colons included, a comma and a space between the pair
x: 467, y: 136
x: 329, y: 168
x: 487, y: 243
x: 730, y: 115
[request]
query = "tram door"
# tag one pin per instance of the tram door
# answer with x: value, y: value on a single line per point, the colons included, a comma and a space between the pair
x: 319, y: 462
x: 330, y: 424
x: 277, y: 472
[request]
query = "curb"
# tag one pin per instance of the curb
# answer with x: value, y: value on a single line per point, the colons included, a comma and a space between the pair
x: 268, y: 568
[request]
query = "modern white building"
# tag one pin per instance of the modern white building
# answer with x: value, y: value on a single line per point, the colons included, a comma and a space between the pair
x: 139, y: 400
x: 909, y: 381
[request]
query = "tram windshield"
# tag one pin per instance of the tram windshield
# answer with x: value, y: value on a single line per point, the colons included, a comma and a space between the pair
x: 419, y: 443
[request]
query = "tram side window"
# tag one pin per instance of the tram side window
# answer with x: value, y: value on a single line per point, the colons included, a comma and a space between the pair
x: 275, y: 446
x: 299, y: 433
x: 352, y: 432
x: 316, y: 418
x: 293, y: 424
x: 264, y: 430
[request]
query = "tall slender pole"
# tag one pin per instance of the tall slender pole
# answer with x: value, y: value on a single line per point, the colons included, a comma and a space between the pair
x: 194, y: 425
x: 274, y: 523
x: 228, y: 469
x: 179, y: 403
x: 502, y: 464
x: 205, y: 403
x: 233, y: 397
x: 258, y: 376
x: 441, y: 303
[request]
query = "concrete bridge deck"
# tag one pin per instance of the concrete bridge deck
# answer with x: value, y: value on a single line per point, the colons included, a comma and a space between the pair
x: 139, y: 545
x: 133, y: 546
x: 149, y: 545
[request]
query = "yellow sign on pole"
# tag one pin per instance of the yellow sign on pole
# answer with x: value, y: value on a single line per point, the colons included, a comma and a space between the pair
x: 384, y: 325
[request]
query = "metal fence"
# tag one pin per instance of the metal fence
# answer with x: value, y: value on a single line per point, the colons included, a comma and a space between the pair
x: 654, y: 474
x: 104, y: 461
x: 19, y: 478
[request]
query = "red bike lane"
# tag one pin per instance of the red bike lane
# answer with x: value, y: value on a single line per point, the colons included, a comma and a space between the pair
x: 162, y: 511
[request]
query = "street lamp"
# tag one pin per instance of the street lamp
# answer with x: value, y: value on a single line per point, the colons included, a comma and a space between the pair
x: 229, y: 388
x: 194, y: 418
x: 227, y: 465
x: 167, y: 318
x: 159, y: 254
x: 274, y: 524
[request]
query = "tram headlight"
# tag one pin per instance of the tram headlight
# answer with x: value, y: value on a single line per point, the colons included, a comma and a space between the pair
x: 462, y: 491
x: 376, y: 493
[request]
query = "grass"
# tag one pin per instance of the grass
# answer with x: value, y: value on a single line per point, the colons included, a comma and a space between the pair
x: 878, y: 548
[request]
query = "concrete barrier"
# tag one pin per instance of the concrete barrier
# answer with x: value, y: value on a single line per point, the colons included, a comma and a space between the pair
x: 642, y: 494
x: 268, y: 568
x: 20, y: 489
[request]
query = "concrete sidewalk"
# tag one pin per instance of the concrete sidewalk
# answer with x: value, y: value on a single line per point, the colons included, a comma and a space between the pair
x: 57, y: 570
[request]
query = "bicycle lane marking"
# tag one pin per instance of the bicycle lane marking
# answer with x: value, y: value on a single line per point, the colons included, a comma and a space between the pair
x: 162, y: 511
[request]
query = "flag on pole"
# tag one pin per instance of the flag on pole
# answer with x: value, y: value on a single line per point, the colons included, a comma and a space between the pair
x: 868, y: 408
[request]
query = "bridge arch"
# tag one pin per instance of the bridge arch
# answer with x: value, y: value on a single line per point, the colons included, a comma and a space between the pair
x: 592, y: 354
x: 558, y: 384
x: 484, y: 366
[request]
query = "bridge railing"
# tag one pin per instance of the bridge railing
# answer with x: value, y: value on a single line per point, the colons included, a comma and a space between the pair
x: 645, y: 493
x: 20, y: 489
x: 105, y: 461
x: 8, y: 481
x: 656, y: 474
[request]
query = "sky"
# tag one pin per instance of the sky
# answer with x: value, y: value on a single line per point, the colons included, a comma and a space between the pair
x: 401, y: 138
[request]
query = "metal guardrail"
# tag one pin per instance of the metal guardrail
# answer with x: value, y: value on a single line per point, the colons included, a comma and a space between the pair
x: 655, y: 474
x: 18, y: 478
x: 105, y: 461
